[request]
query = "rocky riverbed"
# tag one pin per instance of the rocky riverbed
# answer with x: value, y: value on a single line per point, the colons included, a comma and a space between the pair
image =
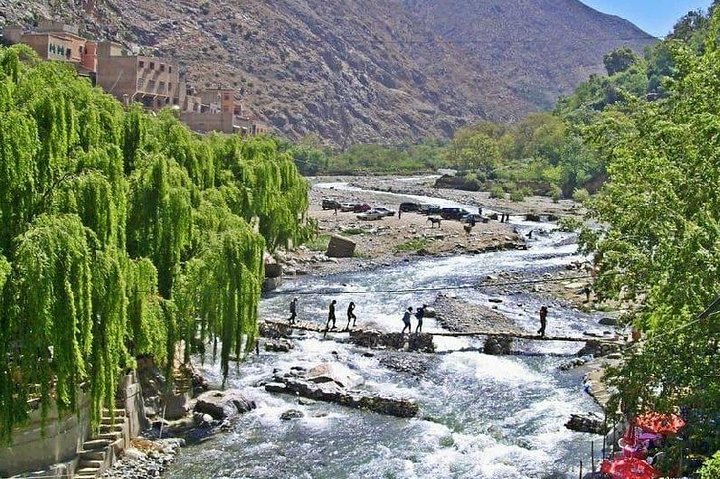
x: 145, y: 459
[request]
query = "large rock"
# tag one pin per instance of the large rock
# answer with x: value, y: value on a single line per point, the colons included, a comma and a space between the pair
x: 599, y: 348
x: 331, y: 392
x: 223, y: 404
x: 274, y: 330
x: 340, y: 247
x: 498, y: 346
x: 589, y: 423
x: 279, y: 345
x: 330, y: 372
x: 397, y: 341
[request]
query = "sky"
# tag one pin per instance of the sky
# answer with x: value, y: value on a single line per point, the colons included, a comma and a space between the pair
x: 656, y: 17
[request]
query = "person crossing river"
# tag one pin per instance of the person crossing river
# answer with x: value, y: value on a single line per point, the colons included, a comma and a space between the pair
x: 351, y: 315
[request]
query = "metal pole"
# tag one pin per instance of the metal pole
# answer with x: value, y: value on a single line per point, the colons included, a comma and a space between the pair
x: 604, y: 449
x: 592, y: 455
x: 580, y: 469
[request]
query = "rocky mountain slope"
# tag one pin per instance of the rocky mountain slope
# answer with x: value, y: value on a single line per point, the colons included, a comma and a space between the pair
x: 364, y: 70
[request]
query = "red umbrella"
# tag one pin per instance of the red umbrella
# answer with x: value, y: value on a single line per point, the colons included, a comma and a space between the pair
x: 629, y: 468
x: 665, y: 424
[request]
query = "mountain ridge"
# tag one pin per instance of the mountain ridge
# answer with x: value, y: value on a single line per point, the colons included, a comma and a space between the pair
x: 355, y: 71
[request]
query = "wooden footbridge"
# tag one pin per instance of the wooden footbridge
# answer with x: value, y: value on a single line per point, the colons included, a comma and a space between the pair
x: 318, y: 328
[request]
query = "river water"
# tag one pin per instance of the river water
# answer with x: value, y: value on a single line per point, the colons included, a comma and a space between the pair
x: 481, y: 416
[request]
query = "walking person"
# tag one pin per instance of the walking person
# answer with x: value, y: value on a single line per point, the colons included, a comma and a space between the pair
x: 331, y: 315
x: 351, y: 315
x: 399, y: 212
x: 586, y: 290
x: 406, y: 320
x: 293, y: 311
x: 543, y: 320
x: 420, y: 314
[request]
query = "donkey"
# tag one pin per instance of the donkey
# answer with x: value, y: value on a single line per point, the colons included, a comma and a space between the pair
x: 434, y: 220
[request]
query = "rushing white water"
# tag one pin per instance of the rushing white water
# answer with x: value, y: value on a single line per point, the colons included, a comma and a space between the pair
x: 480, y: 416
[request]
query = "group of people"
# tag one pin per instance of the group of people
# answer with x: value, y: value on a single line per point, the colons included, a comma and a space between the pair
x: 331, y: 314
x: 419, y: 315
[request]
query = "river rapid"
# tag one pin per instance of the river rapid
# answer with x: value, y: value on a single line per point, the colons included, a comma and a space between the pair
x: 481, y: 416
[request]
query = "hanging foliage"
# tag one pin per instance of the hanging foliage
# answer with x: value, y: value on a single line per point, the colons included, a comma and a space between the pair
x: 122, y: 235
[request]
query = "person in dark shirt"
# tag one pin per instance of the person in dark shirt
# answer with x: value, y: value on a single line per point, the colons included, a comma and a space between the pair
x: 420, y: 314
x: 543, y: 321
x: 331, y: 315
x: 293, y: 311
x: 351, y: 315
x: 406, y: 320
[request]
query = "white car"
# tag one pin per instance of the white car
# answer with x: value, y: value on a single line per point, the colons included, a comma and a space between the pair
x: 384, y: 211
x: 370, y: 215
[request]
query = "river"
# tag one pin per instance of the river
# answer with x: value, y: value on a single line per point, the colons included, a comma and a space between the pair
x: 481, y: 416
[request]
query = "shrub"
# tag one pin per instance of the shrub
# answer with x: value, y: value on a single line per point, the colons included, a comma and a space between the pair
x: 413, y: 245
x: 497, y: 191
x: 581, y: 195
x: 711, y: 468
x: 556, y: 193
x: 319, y: 243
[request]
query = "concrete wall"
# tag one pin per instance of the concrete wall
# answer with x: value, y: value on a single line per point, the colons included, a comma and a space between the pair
x: 117, y: 76
x: 33, y: 449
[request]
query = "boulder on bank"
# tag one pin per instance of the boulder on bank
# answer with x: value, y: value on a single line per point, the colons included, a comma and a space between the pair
x: 589, y: 423
x: 340, y: 247
x: 223, y: 404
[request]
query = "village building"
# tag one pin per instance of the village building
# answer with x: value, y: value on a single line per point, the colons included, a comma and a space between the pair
x: 154, y: 82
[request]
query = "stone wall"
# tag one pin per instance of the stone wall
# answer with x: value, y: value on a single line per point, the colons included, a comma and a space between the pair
x: 53, y: 449
x: 33, y: 448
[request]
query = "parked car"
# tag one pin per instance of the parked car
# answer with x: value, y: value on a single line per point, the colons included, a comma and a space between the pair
x: 346, y: 207
x: 361, y: 208
x: 330, y: 204
x: 430, y: 209
x: 453, y: 213
x: 384, y: 211
x: 370, y: 215
x: 406, y: 207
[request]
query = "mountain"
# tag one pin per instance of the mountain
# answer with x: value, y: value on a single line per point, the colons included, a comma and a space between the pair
x: 365, y: 70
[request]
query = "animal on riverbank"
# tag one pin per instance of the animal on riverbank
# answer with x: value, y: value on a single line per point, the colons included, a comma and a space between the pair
x: 468, y: 229
x: 434, y: 220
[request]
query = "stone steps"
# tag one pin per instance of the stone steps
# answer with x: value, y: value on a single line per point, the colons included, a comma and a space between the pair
x: 87, y: 472
x: 96, y: 455
x: 95, y: 444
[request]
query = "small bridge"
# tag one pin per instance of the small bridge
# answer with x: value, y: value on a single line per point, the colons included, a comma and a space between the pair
x: 317, y: 328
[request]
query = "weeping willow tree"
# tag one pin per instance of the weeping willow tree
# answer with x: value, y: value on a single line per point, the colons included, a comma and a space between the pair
x: 123, y: 235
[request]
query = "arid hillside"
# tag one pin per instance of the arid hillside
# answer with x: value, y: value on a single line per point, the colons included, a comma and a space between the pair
x: 364, y: 70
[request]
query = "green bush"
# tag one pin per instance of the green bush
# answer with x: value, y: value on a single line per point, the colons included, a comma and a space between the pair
x: 581, y: 195
x: 497, y: 191
x: 413, y: 245
x: 711, y: 468
x: 556, y: 193
x: 319, y: 243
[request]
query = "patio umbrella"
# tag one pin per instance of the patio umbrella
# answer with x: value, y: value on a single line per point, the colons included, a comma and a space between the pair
x: 665, y: 424
x: 629, y: 468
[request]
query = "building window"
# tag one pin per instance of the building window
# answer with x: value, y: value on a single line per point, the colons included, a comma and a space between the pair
x: 152, y: 65
x: 162, y: 67
x: 141, y: 64
x: 161, y: 87
x: 141, y: 83
x: 151, y: 85
x: 169, y: 86
x: 169, y: 69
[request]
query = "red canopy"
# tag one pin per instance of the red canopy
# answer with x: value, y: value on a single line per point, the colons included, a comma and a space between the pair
x: 665, y: 424
x: 629, y: 468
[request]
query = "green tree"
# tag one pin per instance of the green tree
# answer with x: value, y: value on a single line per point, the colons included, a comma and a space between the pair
x: 619, y: 60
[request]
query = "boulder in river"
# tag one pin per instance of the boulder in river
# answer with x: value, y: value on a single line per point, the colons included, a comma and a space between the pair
x: 332, y: 392
x: 291, y: 414
x: 599, y: 348
x: 375, y: 339
x: 331, y: 372
x: 498, y: 346
x: 279, y: 345
x: 223, y: 404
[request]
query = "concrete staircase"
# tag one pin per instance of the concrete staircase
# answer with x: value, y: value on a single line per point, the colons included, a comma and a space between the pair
x: 101, y: 451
